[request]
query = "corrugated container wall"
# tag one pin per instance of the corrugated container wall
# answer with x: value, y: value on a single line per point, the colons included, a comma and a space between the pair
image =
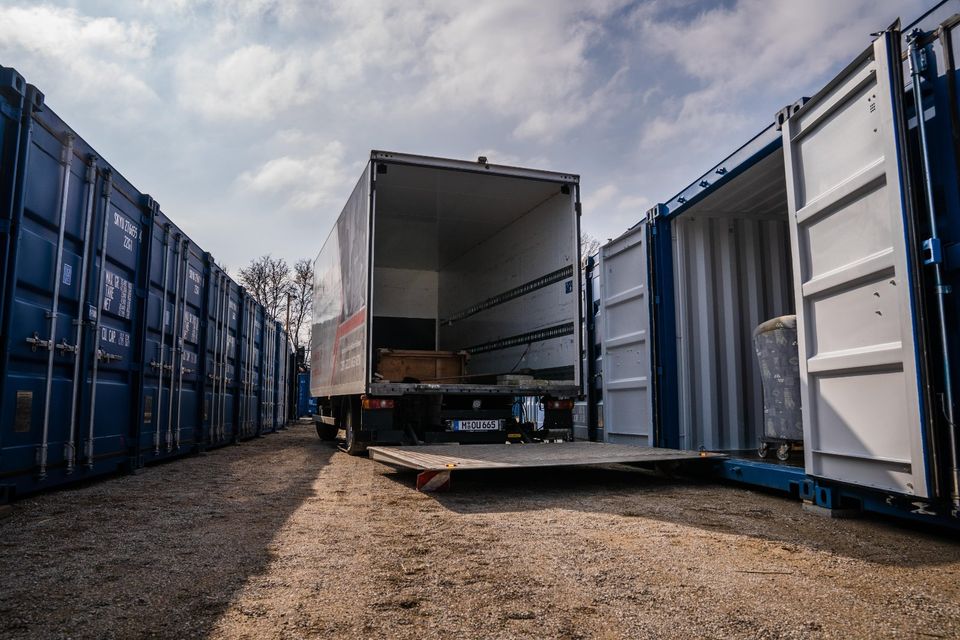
x: 114, y: 350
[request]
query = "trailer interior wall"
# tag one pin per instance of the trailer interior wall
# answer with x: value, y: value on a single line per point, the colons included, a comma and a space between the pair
x: 731, y: 272
x: 448, y: 242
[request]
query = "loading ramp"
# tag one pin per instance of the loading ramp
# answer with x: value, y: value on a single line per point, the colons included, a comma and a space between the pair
x: 436, y: 463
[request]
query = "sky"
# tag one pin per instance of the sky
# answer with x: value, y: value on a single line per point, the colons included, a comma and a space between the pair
x: 249, y: 121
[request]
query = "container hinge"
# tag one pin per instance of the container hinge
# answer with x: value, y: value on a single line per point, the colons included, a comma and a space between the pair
x: 65, y: 347
x: 155, y: 365
x: 915, y: 35
x: 107, y: 357
x: 934, y: 251
x: 36, y: 342
x: 656, y: 299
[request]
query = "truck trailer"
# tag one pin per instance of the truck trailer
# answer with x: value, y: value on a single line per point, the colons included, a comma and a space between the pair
x: 446, y: 296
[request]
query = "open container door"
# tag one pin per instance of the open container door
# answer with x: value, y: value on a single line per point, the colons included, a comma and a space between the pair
x: 625, y: 314
x: 850, y: 217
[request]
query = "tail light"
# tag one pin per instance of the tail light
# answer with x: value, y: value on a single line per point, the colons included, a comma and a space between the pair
x: 558, y: 405
x: 377, y: 403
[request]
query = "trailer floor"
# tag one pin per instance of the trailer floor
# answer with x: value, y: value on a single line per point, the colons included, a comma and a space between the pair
x: 285, y: 537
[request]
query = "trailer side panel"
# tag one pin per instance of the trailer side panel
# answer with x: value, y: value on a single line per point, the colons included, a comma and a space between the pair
x: 339, y: 332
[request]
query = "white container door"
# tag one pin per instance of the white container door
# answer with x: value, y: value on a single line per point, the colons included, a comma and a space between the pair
x: 849, y: 217
x: 625, y: 316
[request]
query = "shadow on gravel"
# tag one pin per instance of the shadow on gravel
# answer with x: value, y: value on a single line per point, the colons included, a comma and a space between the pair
x: 160, y: 554
x: 630, y: 493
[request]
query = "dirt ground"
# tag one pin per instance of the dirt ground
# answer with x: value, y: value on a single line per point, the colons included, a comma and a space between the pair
x: 285, y: 537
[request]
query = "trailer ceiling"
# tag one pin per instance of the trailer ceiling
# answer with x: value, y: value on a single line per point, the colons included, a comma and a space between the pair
x: 426, y: 217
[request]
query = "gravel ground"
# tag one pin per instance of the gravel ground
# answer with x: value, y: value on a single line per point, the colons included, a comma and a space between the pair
x: 284, y: 537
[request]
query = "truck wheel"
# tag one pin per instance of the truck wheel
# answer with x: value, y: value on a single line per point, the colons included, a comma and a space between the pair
x: 326, y: 432
x: 351, y: 424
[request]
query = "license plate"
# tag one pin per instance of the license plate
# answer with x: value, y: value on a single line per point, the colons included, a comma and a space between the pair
x: 477, y: 425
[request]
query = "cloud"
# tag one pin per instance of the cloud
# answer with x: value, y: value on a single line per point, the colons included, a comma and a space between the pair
x: 303, y: 182
x: 754, y: 47
x: 94, y: 59
x: 608, y: 211
x: 227, y: 109
x: 253, y: 82
x: 525, y: 61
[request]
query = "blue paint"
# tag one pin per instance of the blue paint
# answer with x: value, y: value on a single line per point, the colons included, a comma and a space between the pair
x: 763, y: 474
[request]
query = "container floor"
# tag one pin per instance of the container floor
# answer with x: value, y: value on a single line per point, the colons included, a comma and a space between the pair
x: 255, y: 541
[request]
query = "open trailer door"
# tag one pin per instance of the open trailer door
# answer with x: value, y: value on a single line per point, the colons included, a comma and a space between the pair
x: 625, y: 314
x: 850, y: 219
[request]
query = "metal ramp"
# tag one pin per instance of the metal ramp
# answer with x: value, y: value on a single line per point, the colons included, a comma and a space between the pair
x: 437, y: 462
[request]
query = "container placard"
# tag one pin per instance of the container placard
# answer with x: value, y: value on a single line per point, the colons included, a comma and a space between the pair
x: 195, y: 280
x: 131, y: 231
x: 109, y: 335
x: 191, y: 327
x: 117, y: 295
x: 24, y: 412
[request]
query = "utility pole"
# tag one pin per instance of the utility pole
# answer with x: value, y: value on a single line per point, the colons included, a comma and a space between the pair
x: 289, y: 295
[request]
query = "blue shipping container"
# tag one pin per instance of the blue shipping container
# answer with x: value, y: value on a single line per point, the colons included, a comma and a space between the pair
x: 120, y: 337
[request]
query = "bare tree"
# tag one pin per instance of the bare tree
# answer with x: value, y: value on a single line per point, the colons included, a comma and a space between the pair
x: 588, y: 246
x: 301, y: 300
x: 267, y: 279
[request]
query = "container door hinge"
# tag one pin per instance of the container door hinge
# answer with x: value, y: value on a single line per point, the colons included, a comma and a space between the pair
x: 656, y: 299
x: 65, y: 347
x: 934, y: 251
x: 913, y: 36
x: 107, y: 357
x: 36, y: 342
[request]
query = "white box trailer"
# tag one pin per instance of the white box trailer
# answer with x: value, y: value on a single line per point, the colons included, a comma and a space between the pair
x: 826, y: 214
x: 454, y: 259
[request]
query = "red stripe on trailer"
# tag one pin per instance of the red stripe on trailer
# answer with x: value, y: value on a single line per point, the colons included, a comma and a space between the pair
x: 352, y: 322
x: 430, y: 481
x: 345, y: 327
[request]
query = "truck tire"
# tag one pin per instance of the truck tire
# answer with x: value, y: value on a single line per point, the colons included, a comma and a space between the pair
x: 350, y: 413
